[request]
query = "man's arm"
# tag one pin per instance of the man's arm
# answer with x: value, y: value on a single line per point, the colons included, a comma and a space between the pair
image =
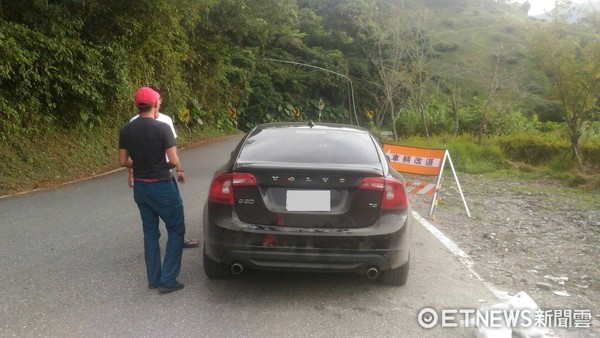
x: 124, y: 160
x: 173, y: 158
x: 130, y: 181
x: 174, y: 163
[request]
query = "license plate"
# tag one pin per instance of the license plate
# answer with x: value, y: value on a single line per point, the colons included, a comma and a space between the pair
x: 308, y: 200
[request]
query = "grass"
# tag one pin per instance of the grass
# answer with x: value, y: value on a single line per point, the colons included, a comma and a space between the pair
x: 587, y: 197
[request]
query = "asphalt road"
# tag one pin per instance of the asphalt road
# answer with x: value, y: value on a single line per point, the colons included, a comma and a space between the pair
x: 72, y: 266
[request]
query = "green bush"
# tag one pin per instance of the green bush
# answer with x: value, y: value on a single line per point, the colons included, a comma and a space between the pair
x: 562, y: 163
x: 533, y: 149
x: 514, y: 122
x: 467, y: 155
x: 570, y: 178
x: 472, y: 157
x: 590, y: 152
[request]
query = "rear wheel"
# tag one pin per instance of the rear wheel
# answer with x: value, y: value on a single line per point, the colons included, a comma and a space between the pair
x: 213, y: 269
x: 397, y: 276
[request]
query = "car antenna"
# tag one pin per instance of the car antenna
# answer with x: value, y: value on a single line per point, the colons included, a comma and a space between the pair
x: 311, y: 123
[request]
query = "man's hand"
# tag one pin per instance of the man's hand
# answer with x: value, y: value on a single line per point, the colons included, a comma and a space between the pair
x: 131, y: 178
x: 180, y: 176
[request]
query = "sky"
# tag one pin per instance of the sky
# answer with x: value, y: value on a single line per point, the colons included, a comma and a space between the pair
x: 542, y: 6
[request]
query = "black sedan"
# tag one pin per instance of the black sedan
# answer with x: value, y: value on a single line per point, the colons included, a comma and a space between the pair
x: 306, y: 197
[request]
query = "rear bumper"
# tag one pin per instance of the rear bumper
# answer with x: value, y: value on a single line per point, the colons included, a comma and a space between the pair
x: 384, y: 245
x: 307, y: 261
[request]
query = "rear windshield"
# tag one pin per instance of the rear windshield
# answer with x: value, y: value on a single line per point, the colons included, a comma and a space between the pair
x: 304, y: 145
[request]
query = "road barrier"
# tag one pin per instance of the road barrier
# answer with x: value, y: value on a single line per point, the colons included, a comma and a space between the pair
x: 423, y: 161
x: 420, y: 188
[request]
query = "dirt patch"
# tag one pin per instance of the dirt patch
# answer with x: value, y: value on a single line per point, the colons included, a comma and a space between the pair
x: 527, y: 235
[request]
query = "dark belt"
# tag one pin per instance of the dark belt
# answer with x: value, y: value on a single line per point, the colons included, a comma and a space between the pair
x: 151, y: 180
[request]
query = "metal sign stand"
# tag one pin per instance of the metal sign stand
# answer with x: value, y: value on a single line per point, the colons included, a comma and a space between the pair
x: 439, y: 185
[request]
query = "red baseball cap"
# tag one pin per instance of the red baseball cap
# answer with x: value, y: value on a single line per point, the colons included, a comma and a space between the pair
x: 145, y: 96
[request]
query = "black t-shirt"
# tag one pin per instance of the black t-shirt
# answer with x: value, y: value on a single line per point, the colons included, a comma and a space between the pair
x: 146, y: 140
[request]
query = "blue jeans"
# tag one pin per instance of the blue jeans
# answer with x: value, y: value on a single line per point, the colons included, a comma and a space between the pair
x: 161, y: 199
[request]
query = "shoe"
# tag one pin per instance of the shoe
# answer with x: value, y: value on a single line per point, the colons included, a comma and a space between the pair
x: 152, y: 287
x: 191, y: 243
x: 170, y: 288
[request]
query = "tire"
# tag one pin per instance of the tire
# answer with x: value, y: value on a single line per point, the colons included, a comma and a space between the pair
x: 397, y: 276
x: 214, y: 270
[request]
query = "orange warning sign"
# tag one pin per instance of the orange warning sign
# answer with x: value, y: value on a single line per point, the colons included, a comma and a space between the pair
x: 421, y: 161
x: 420, y: 188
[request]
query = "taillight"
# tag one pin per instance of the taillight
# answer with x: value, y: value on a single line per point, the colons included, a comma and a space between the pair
x: 221, y: 188
x: 243, y: 179
x: 372, y: 183
x: 394, y: 195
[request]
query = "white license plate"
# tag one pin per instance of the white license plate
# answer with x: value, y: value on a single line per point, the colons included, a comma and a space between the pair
x: 308, y: 200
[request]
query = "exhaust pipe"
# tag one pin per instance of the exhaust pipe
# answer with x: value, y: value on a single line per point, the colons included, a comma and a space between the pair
x: 372, y: 273
x: 237, y: 268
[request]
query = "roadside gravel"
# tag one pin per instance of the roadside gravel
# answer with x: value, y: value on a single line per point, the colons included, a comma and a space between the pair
x: 535, y: 236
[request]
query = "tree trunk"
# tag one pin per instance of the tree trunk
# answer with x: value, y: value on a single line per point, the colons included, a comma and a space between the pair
x: 493, y: 87
x: 575, y: 149
x: 422, y: 111
x: 394, y: 119
x: 483, y: 126
x: 456, y: 127
x: 454, y: 100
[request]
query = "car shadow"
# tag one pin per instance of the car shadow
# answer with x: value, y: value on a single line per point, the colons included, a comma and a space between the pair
x: 268, y: 287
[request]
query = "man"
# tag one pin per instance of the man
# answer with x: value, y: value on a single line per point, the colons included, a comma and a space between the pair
x: 143, y: 144
x: 190, y: 243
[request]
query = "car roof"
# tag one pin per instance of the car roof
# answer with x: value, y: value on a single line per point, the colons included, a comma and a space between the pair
x: 307, y: 125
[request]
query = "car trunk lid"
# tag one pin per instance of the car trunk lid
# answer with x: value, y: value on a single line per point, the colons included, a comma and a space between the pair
x: 308, y: 197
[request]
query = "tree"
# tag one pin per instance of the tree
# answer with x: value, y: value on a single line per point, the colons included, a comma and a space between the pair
x: 401, y: 57
x: 419, y: 52
x: 570, y: 58
x: 454, y: 92
x: 492, y: 88
x: 388, y: 58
